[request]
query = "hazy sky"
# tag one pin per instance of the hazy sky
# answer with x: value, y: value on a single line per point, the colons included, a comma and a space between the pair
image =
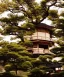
x: 38, y: 1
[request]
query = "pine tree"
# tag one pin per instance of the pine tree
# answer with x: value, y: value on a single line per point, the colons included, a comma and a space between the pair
x: 58, y: 21
x: 58, y: 32
x: 32, y: 14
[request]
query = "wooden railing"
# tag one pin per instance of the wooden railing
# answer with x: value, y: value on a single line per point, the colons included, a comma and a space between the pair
x: 40, y: 51
x: 40, y: 38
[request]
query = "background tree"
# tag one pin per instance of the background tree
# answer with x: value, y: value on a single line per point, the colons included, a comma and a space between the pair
x: 59, y: 33
x: 13, y: 56
x: 58, y: 20
x: 57, y: 17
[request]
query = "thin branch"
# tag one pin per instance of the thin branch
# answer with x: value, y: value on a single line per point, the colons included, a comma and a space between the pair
x: 20, y: 28
x: 25, y: 13
x: 52, y: 4
x: 46, y: 12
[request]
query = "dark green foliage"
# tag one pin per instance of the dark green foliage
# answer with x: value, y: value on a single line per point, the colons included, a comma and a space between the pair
x: 36, y: 63
x: 14, y: 56
x: 26, y: 66
x: 36, y: 72
x: 7, y: 74
x: 59, y: 74
x: 59, y: 34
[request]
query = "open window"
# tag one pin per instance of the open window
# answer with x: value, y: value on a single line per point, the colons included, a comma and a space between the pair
x: 43, y: 46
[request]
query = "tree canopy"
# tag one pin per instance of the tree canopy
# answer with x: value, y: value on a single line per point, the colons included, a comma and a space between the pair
x: 14, y: 56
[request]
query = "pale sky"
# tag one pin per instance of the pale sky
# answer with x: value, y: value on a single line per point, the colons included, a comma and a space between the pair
x: 8, y: 38
x: 4, y: 14
x: 57, y: 59
x: 38, y: 1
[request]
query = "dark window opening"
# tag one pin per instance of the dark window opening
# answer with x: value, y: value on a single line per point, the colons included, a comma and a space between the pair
x: 43, y: 46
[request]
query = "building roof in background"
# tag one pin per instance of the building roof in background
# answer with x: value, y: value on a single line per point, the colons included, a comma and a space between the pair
x: 45, y: 26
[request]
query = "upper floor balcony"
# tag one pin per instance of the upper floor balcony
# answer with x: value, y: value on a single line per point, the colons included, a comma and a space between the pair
x: 43, y: 35
x: 40, y: 38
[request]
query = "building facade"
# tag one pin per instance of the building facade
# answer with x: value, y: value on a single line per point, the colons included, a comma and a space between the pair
x: 41, y: 39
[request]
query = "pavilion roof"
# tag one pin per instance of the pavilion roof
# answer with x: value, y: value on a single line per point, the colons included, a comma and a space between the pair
x: 45, y: 26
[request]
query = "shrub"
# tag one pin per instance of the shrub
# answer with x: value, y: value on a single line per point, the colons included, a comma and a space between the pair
x: 36, y: 72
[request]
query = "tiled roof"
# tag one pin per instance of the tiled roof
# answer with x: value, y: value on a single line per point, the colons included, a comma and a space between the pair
x: 43, y: 25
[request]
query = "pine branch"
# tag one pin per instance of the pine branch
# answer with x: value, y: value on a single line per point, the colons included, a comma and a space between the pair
x: 46, y: 14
